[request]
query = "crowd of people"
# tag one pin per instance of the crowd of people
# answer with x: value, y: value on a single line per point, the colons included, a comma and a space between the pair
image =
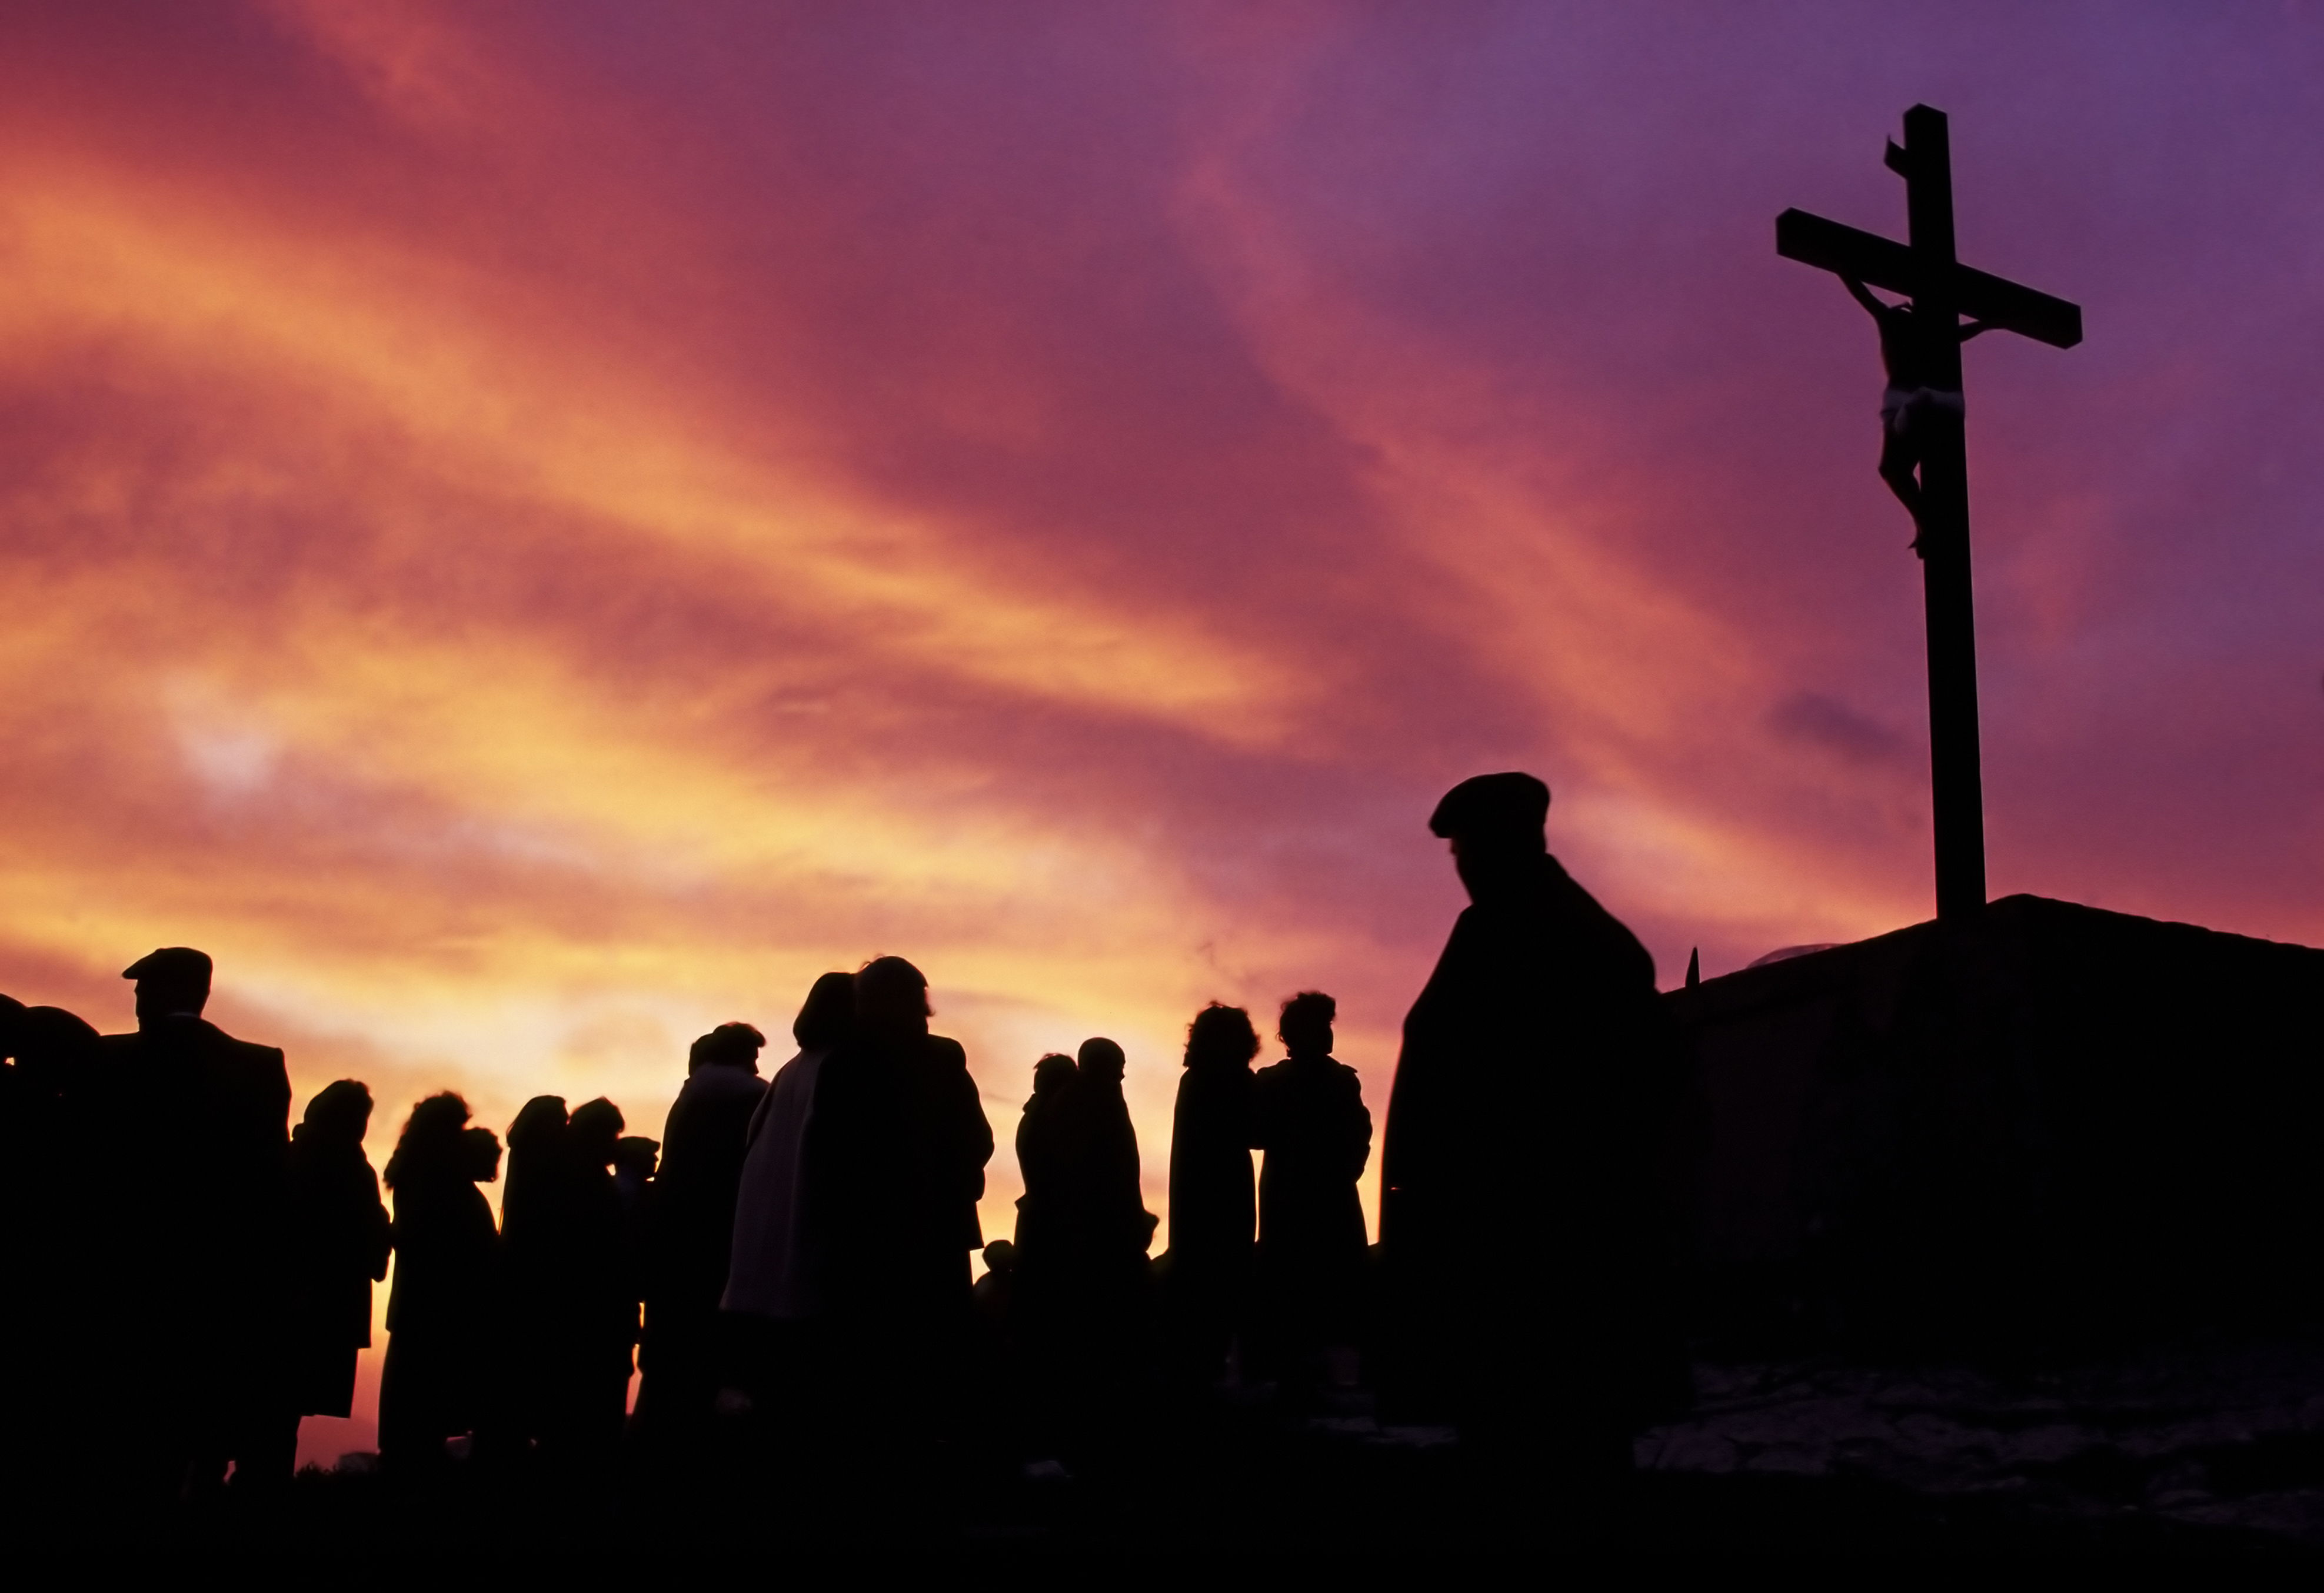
x: 794, y: 1257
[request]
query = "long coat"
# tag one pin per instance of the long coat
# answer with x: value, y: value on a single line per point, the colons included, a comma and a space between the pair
x: 1519, y: 1226
x: 704, y: 1140
x: 339, y: 1242
x: 1212, y: 1210
x: 443, y: 1312
x: 1308, y: 1113
x: 197, y: 1125
x: 894, y: 1151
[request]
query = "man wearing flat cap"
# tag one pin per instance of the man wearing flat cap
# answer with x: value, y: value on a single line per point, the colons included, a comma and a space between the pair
x: 199, y: 1124
x: 1519, y: 1226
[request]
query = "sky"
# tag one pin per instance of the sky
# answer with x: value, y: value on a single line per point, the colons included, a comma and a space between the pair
x: 532, y: 531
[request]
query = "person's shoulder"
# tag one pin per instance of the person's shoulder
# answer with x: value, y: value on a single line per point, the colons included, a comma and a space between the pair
x: 947, y: 1051
x: 247, y: 1051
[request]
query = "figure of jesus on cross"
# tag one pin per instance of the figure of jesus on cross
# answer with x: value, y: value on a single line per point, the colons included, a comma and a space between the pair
x: 1923, y: 454
x: 1912, y: 394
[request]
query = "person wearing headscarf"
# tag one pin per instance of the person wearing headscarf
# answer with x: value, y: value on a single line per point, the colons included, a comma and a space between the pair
x: 594, y: 1346
x: 442, y: 1310
x: 1519, y: 1221
x: 339, y: 1246
x: 536, y: 1225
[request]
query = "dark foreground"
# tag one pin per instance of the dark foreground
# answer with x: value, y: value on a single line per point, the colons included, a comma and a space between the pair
x: 2205, y: 1455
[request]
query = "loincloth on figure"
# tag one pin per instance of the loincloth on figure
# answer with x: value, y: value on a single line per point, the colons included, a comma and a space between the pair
x: 1898, y: 406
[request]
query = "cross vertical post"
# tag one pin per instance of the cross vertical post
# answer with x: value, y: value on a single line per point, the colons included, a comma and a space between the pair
x: 1956, y: 772
x: 1928, y: 407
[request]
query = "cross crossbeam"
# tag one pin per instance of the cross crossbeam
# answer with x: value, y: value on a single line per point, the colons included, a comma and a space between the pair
x: 1884, y: 262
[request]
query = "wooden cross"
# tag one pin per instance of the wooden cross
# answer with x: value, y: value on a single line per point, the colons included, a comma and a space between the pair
x: 1941, y: 290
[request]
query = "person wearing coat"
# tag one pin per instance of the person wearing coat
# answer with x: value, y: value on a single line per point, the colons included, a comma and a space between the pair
x: 895, y: 1153
x: 1523, y: 1240
x: 339, y: 1244
x: 443, y: 1312
x: 1308, y: 1113
x: 197, y: 1124
x: 690, y: 1232
x: 1212, y: 1209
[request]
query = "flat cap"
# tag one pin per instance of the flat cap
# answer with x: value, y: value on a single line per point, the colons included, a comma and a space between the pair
x: 172, y: 962
x: 1493, y: 807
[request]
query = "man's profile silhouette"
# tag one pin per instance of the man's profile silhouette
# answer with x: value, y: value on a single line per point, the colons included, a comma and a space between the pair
x: 1518, y: 1222
x: 204, y: 1123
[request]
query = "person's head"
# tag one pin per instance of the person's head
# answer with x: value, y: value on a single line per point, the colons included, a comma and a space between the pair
x: 173, y: 982
x: 1000, y: 1257
x: 480, y: 1155
x: 53, y: 1047
x: 1052, y: 1074
x: 540, y: 1125
x: 827, y: 1017
x: 1220, y: 1036
x: 729, y: 1045
x: 635, y: 1155
x: 1305, y: 1029
x: 431, y: 1140
x: 1495, y: 824
x: 594, y: 1130
x: 340, y: 1111
x: 1101, y: 1060
x: 891, y: 1000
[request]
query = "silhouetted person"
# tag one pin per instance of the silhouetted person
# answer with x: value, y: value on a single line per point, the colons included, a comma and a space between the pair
x: 1518, y: 1221
x: 537, y: 1241
x: 1084, y: 1278
x: 596, y: 1341
x: 896, y: 1155
x: 1308, y: 1113
x: 1045, y: 1164
x: 636, y: 1159
x: 774, y: 1299
x: 199, y: 1122
x: 69, y: 1397
x: 991, y: 1295
x: 1108, y: 1220
x: 704, y: 1139
x: 1212, y: 1210
x: 442, y: 1311
x: 1915, y: 388
x: 339, y: 1244
x: 772, y: 1271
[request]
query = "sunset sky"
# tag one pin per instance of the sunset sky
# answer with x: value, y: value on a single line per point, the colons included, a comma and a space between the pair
x: 532, y: 530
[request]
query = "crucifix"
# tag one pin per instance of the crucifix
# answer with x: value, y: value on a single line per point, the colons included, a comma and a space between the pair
x: 1922, y: 456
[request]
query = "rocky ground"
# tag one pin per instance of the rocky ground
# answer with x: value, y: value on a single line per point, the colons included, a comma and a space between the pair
x: 2202, y: 1455
x: 2229, y: 1439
